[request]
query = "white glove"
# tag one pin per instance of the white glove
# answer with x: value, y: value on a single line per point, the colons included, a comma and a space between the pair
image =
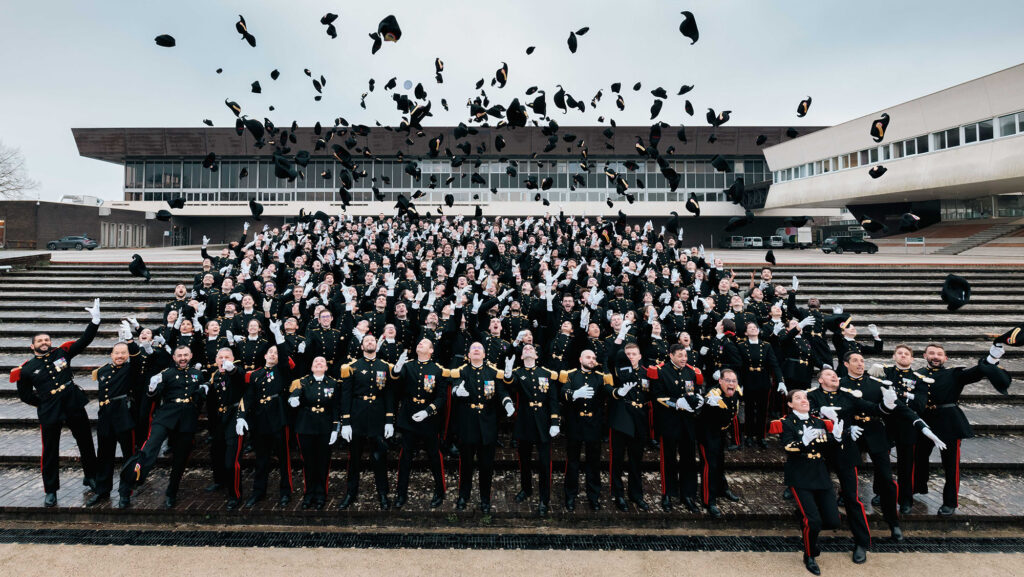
x: 477, y: 301
x: 877, y: 370
x: 873, y: 330
x: 228, y: 366
x: 837, y: 429
x: 625, y: 389
x: 586, y: 392
x: 153, y: 382
x: 683, y: 404
x: 302, y: 347
x: 420, y: 416
x: 293, y: 402
x: 334, y: 438
x: 796, y: 283
x: 159, y: 340
x: 908, y: 396
x: 237, y: 297
x: 889, y: 398
x: 703, y: 351
x: 838, y: 310
x: 461, y: 391
x: 714, y: 399
x: 199, y: 366
x: 346, y: 432
x: 856, y: 432
x: 147, y: 346
x: 125, y: 332
x: 716, y: 375
x: 729, y: 315
x: 204, y: 388
x: 510, y: 409
x: 622, y: 331
x: 206, y: 241
x: 810, y: 434
x: 553, y: 431
x: 519, y: 337
x: 133, y: 322
x: 389, y: 431
x: 241, y: 427
x: 584, y: 318
x: 402, y: 358
x: 94, y: 311
x: 239, y: 338
x: 777, y: 328
x: 995, y: 352
x: 935, y: 439
x: 782, y: 388
x: 509, y: 365
x: 829, y: 413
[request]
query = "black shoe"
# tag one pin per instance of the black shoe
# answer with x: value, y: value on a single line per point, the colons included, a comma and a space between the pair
x: 787, y: 494
x: 436, y: 500
x: 232, y: 504
x: 748, y: 442
x: 252, y: 500
x: 346, y: 502
x: 897, y: 533
x: 641, y: 504
x: 170, y: 502
x: 214, y: 486
x: 320, y: 504
x: 124, y: 502
x: 595, y: 505
x: 812, y: 565
x: 284, y: 500
x: 714, y: 511
x: 485, y: 507
x: 763, y: 443
x: 666, y: 503
x: 97, y: 499
x: 731, y: 496
x: 89, y: 482
x: 735, y: 447
x: 460, y: 504
x: 307, y: 502
x: 840, y: 502
x: 523, y: 495
x: 691, y: 505
x: 400, y: 501
x: 859, y: 555
x: 905, y: 508
x: 543, y: 508
x: 453, y: 452
x: 385, y: 504
x: 876, y: 501
x: 620, y: 504
x: 50, y: 500
x: 570, y: 504
x: 946, y: 511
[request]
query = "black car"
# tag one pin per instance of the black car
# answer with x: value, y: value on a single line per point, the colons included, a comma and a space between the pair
x: 848, y: 244
x: 77, y: 242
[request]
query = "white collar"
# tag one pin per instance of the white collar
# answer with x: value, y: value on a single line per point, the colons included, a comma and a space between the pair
x: 801, y: 416
x: 319, y: 379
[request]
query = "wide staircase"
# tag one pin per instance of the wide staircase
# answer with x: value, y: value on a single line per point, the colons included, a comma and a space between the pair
x: 903, y: 302
x: 985, y: 236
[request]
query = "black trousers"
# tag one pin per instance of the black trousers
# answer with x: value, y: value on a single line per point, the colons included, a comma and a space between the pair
x: 106, y: 450
x: 218, y: 448
x: 181, y: 447
x: 472, y: 455
x: 950, y: 467
x: 855, y: 512
x: 526, y: 465
x: 905, y: 473
x: 573, y: 449
x: 78, y: 422
x: 755, y: 409
x: 885, y: 486
x: 621, y: 446
x: 712, y: 477
x: 233, y: 444
x: 378, y: 460
x: 679, y: 466
x: 265, y: 445
x: 143, y: 405
x: 316, y: 463
x: 411, y: 444
x: 818, y: 510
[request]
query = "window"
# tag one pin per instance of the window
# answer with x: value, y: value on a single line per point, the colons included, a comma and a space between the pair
x: 910, y: 146
x: 985, y: 130
x: 939, y: 140
x: 952, y: 137
x: 897, y: 150
x: 970, y: 133
x: 1007, y: 125
x: 922, y: 144
x: 873, y: 155
x: 885, y: 153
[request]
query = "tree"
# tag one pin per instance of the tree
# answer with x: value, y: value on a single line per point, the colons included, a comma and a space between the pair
x: 14, y: 180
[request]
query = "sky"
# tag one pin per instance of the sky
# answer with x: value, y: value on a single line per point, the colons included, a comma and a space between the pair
x: 69, y: 63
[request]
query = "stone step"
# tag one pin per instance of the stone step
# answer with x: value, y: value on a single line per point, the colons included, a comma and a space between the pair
x: 987, y: 499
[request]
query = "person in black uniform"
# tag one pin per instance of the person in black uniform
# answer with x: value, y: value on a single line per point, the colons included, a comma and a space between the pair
x: 317, y: 397
x: 759, y: 366
x: 327, y: 342
x: 481, y: 389
x: 116, y: 423
x: 46, y: 382
x: 798, y: 359
x: 537, y: 423
x: 628, y: 396
x: 181, y: 391
x: 226, y: 387
x: 153, y: 358
x: 678, y: 389
x: 422, y: 389
x: 805, y: 438
x: 583, y: 394
x: 845, y: 341
x: 714, y: 427
x: 367, y: 419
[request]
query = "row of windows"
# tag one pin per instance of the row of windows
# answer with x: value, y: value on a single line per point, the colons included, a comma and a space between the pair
x: 1003, y: 126
x: 431, y: 197
x: 184, y: 175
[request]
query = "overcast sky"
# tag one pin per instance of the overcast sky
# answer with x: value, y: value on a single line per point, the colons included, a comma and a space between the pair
x: 68, y: 63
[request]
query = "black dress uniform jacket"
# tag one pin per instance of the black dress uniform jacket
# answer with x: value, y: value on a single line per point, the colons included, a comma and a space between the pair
x: 367, y: 396
x: 181, y: 399
x: 47, y: 383
x: 584, y: 418
x: 319, y: 401
x: 476, y: 416
x: 422, y: 387
x: 538, y: 407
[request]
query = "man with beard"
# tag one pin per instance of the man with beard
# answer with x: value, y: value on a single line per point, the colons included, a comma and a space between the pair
x: 537, y: 423
x: 583, y: 394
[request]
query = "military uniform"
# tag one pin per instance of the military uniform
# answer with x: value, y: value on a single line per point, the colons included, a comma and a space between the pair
x: 476, y: 424
x: 759, y: 365
x: 222, y: 400
x: 714, y: 431
x: 327, y: 343
x: 798, y: 360
x: 263, y: 408
x: 628, y: 430
x: 536, y: 412
x: 116, y: 421
x: 807, y: 477
x: 251, y: 353
x: 903, y: 434
x: 317, y: 416
x: 47, y: 383
x: 367, y: 405
x: 677, y: 428
x: 584, y: 426
x: 423, y: 386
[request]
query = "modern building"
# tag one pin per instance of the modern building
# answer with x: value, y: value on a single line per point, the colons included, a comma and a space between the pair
x: 952, y: 155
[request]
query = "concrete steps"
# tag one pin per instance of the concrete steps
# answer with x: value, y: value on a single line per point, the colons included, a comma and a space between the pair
x: 980, y: 238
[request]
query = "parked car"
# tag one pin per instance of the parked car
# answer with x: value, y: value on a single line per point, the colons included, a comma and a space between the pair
x: 775, y: 242
x: 731, y: 242
x: 753, y: 242
x: 77, y: 242
x: 848, y: 244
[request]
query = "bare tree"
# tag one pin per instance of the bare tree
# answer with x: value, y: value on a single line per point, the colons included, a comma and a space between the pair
x: 14, y: 180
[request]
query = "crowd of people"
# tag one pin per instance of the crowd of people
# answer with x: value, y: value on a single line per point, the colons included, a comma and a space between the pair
x: 451, y: 336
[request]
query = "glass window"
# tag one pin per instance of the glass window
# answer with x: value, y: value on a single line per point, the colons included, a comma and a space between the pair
x: 922, y: 144
x: 910, y: 146
x: 953, y: 137
x: 1007, y: 125
x: 970, y: 133
x: 885, y: 153
x: 939, y: 140
x: 873, y: 155
x: 985, y: 131
x: 1020, y: 122
x: 897, y: 150
x: 863, y: 157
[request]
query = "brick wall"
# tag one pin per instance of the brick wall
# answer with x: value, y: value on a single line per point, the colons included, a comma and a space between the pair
x: 39, y: 223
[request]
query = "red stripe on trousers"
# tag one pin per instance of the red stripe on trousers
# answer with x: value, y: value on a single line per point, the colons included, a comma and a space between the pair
x: 288, y: 457
x: 856, y: 491
x: 661, y: 449
x: 956, y: 500
x: 704, y: 476
x: 805, y: 525
x: 238, y: 467
x: 610, y: 457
